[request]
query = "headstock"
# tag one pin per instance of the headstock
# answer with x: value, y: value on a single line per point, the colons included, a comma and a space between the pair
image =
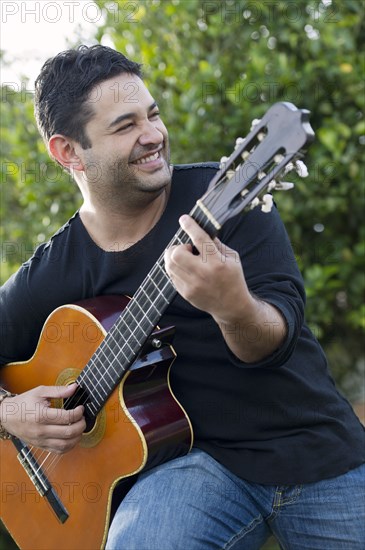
x: 273, y: 147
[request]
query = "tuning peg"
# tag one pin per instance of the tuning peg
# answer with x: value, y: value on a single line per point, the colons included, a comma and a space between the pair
x: 272, y: 185
x: 298, y: 166
x: 239, y: 140
x: 255, y: 122
x: 288, y: 168
x: 255, y: 202
x: 301, y: 169
x: 267, y: 203
x: 278, y: 158
x: 223, y: 162
x: 283, y: 186
x: 279, y: 186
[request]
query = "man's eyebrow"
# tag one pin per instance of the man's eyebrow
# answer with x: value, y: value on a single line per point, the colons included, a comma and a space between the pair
x: 126, y: 116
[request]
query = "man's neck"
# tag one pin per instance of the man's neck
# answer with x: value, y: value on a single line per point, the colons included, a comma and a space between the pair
x: 118, y: 227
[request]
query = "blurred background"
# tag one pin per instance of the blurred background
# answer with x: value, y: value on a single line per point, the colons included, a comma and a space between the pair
x: 213, y: 66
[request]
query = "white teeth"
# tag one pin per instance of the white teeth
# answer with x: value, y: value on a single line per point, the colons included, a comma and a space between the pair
x: 148, y: 159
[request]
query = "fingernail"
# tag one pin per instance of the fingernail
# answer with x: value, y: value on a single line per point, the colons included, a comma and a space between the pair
x: 184, y: 220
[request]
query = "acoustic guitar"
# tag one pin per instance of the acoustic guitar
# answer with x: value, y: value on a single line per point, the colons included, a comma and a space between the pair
x: 120, y: 361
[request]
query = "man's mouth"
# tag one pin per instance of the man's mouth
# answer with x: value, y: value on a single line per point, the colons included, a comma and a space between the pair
x: 149, y: 158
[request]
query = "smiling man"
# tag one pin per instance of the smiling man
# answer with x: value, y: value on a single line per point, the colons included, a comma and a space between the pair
x: 124, y: 175
x: 277, y: 449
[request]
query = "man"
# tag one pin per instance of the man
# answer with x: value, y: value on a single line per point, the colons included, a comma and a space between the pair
x: 277, y: 449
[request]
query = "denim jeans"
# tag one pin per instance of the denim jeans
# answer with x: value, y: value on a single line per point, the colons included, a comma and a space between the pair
x: 194, y: 503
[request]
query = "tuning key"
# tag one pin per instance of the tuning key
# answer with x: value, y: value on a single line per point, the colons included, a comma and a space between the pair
x: 255, y: 122
x: 222, y: 162
x: 284, y: 186
x: 278, y: 158
x: 301, y: 169
x: 239, y: 141
x: 267, y: 203
x: 272, y: 185
x: 298, y: 166
x: 288, y: 168
x: 279, y: 185
x: 255, y: 202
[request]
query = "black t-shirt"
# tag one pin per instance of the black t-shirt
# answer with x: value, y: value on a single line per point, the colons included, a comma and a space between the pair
x: 279, y: 421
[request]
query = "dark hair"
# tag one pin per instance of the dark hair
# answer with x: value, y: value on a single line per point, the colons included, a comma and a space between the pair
x: 64, y: 84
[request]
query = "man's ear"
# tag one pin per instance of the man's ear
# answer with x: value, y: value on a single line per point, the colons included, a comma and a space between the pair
x: 63, y: 150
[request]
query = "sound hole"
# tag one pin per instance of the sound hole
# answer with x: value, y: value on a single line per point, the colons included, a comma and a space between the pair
x: 81, y: 397
x: 95, y: 425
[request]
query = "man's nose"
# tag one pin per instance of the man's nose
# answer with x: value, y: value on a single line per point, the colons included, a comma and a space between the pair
x: 150, y: 134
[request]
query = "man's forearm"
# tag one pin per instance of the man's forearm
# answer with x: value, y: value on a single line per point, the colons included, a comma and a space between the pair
x: 256, y: 334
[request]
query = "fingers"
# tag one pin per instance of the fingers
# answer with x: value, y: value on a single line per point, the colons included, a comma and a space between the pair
x: 199, y: 237
x: 55, y: 392
x: 216, y: 272
x: 31, y: 417
x: 57, y: 434
x: 61, y: 417
x: 202, y: 241
x: 55, y: 415
x: 180, y: 257
x: 58, y: 439
x: 69, y: 431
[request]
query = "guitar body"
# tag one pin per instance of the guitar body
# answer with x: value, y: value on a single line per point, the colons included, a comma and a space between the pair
x: 141, y: 425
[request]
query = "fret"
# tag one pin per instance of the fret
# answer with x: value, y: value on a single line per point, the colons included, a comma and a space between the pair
x: 114, y: 339
x: 91, y: 375
x: 107, y: 357
x: 137, y: 323
x: 152, y: 304
x: 160, y: 293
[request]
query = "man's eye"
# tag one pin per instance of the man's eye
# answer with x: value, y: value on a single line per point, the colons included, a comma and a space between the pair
x: 155, y: 114
x: 125, y: 127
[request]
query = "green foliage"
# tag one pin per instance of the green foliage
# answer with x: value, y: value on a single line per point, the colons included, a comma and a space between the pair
x: 36, y: 194
x: 214, y: 66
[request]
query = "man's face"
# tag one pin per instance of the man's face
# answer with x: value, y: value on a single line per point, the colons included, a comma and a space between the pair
x: 130, y: 148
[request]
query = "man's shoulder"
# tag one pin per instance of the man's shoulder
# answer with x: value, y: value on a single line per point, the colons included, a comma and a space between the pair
x: 56, y: 241
x: 197, y: 166
x: 195, y: 177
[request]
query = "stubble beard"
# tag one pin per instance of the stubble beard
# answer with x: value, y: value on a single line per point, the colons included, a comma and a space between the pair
x: 132, y: 177
x: 121, y: 182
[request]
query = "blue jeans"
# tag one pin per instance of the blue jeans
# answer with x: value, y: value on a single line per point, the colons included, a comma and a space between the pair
x: 194, y: 503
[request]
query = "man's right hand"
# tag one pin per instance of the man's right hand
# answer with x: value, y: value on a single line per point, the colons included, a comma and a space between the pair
x: 30, y: 417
